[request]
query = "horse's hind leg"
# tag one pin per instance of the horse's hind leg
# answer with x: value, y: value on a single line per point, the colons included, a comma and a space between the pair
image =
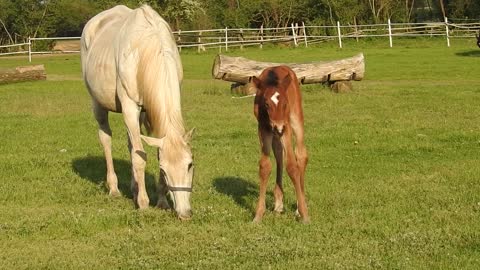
x: 278, y: 191
x: 105, y: 136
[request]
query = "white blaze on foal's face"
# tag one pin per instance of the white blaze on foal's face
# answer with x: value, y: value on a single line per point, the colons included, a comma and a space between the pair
x: 274, y: 98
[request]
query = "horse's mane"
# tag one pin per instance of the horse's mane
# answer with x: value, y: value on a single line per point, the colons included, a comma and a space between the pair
x: 159, y: 75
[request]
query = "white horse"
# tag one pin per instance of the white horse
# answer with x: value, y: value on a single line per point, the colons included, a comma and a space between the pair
x: 131, y: 65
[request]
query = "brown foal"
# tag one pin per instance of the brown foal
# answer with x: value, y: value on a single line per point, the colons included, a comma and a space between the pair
x: 278, y: 109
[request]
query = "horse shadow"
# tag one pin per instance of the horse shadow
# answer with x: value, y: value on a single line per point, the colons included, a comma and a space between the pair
x: 242, y: 192
x: 470, y: 53
x: 93, y: 169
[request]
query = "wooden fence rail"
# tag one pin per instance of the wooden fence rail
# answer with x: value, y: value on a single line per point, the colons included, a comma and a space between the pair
x: 295, y: 34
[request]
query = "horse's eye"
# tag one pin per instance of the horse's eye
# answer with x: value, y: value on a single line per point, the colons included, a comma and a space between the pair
x: 190, y: 166
x: 267, y: 106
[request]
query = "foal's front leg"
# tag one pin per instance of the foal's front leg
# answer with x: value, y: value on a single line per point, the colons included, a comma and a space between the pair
x: 265, y: 167
x: 278, y: 191
x: 295, y: 174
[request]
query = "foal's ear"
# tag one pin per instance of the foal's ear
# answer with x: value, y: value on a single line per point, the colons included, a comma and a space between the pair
x: 154, y: 142
x: 189, y: 135
x: 255, y: 81
x: 286, y: 82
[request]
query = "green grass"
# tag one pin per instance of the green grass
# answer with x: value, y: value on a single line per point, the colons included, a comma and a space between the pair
x: 392, y: 181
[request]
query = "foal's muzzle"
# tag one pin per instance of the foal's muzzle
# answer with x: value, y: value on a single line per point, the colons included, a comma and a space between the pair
x: 278, y: 130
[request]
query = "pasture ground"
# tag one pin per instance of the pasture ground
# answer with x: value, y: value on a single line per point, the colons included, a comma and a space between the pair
x: 392, y: 182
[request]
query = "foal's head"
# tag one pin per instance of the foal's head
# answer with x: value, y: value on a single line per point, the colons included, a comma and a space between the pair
x: 273, y: 98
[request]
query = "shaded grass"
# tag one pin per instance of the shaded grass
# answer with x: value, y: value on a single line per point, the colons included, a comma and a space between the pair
x: 392, y: 180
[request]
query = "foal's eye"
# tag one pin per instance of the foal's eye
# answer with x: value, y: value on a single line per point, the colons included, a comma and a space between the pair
x: 190, y: 166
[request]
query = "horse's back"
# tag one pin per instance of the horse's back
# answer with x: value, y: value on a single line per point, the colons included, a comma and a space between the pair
x: 97, y: 55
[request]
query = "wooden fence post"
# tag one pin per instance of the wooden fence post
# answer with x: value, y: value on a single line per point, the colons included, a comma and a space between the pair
x: 446, y: 32
x: 304, y: 34
x: 261, y: 36
x: 390, y: 33
x: 29, y: 50
x: 294, y: 36
x: 226, y: 38
x: 179, y: 40
x: 199, y: 40
x: 339, y: 35
x: 241, y: 39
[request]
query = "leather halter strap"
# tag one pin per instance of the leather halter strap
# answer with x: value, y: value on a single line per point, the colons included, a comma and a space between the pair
x: 185, y: 189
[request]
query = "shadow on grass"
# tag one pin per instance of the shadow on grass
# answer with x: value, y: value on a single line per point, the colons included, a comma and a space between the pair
x: 93, y: 169
x: 471, y: 53
x: 240, y: 190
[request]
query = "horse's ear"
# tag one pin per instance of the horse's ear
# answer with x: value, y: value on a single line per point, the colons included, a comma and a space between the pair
x: 154, y: 142
x: 189, y: 135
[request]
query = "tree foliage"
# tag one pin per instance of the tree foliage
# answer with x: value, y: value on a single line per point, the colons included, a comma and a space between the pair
x: 20, y: 19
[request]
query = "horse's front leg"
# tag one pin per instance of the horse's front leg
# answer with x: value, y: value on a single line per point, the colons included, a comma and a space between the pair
x: 162, y: 191
x: 138, y: 156
x: 295, y: 175
x: 265, y: 167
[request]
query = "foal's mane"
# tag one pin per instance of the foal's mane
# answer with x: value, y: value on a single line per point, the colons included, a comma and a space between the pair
x: 159, y: 75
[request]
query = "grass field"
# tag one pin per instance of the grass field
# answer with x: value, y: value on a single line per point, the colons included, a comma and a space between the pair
x: 393, y: 179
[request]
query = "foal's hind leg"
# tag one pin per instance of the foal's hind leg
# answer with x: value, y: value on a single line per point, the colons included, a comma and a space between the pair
x: 278, y: 191
x: 105, y: 136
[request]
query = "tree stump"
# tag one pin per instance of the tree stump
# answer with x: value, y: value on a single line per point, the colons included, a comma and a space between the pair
x: 22, y: 74
x: 239, y: 70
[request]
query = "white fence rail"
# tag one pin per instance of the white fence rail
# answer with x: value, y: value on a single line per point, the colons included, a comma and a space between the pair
x: 298, y: 35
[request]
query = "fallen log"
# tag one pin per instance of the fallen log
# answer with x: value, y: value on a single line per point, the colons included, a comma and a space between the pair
x: 239, y: 70
x: 21, y: 74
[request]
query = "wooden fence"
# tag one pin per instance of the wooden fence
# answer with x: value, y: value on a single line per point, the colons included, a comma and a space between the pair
x: 295, y: 35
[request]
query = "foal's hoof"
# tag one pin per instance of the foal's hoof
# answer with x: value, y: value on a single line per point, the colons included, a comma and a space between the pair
x: 257, y: 220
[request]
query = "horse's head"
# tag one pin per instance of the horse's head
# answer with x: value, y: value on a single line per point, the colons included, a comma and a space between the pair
x: 274, y: 100
x: 176, y: 169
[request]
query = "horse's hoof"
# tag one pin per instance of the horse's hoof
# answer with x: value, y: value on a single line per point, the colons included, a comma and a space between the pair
x: 142, y: 204
x: 114, y: 193
x: 163, y: 205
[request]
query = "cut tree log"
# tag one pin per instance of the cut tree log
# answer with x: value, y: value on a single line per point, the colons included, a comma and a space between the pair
x: 21, y: 74
x: 239, y: 70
